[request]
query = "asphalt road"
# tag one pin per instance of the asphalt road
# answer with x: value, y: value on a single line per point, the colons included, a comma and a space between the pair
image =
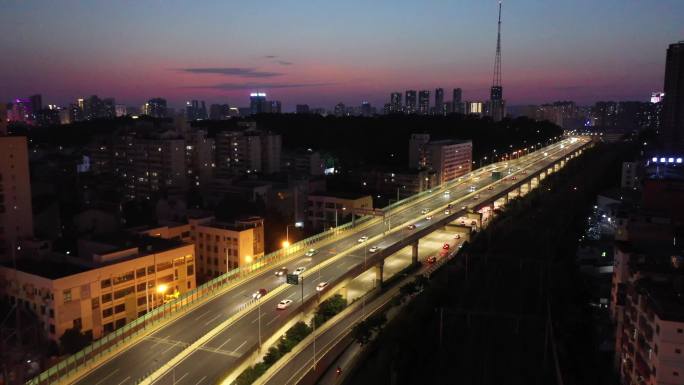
x: 226, y: 349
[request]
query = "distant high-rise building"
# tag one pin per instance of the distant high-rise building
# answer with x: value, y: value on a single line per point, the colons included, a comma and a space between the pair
x: 276, y: 107
x: 155, y: 107
x: 657, y: 97
x: 439, y: 101
x: 474, y: 108
x: 258, y: 103
x: 219, y: 111
x: 302, y: 109
x: 340, y: 109
x: 36, y: 104
x: 3, y: 119
x: 120, y: 110
x: 195, y: 110
x: 395, y: 102
x: 16, y: 215
x: 424, y: 102
x: 457, y: 101
x: 672, y: 133
x: 411, y: 102
x: 366, y: 109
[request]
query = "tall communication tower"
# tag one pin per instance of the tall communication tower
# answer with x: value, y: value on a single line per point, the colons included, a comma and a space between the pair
x: 497, y: 105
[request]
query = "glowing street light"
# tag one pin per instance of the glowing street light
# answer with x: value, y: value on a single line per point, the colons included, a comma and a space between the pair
x: 286, y: 244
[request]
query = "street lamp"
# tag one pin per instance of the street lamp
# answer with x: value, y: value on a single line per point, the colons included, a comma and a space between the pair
x: 286, y: 243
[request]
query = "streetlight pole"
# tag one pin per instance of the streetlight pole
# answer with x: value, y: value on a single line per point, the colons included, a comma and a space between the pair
x: 259, y: 307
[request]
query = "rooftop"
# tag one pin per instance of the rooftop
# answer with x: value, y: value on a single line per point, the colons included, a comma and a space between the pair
x: 47, y: 268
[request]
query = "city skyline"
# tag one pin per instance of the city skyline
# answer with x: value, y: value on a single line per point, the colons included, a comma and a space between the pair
x: 321, y: 62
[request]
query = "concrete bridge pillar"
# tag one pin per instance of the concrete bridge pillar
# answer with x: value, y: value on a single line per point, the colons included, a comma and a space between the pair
x: 414, y: 252
x: 378, y: 272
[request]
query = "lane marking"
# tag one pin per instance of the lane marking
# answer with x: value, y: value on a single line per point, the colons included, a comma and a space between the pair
x: 238, y: 348
x: 170, y: 347
x: 223, y: 344
x: 202, y: 315
x: 124, y: 380
x: 271, y: 321
x: 107, y: 376
x: 213, y: 319
x: 181, y: 379
x: 201, y: 379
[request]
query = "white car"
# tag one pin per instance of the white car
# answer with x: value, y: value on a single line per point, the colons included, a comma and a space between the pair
x: 447, y: 212
x: 472, y: 188
x: 284, y: 304
x: 362, y: 239
x: 463, y: 207
x: 374, y: 249
x: 424, y: 211
x: 311, y: 252
x: 299, y: 270
x: 447, y: 193
x: 429, y: 217
x: 321, y: 286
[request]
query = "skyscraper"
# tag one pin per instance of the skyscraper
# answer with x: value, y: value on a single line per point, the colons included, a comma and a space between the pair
x: 155, y: 107
x: 439, y: 101
x: 258, y: 103
x: 672, y: 135
x: 496, y: 102
x: 366, y: 109
x: 303, y: 109
x: 395, y: 102
x: 424, y: 102
x: 457, y: 101
x: 411, y: 102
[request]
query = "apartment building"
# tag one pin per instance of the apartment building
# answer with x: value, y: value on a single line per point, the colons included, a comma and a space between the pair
x: 247, y: 151
x: 329, y: 209
x: 112, y: 280
x: 219, y: 246
x: 450, y: 159
x: 16, y: 213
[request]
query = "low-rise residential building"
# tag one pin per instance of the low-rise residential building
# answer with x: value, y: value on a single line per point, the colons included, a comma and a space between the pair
x: 219, y: 246
x: 329, y: 209
x: 113, y: 280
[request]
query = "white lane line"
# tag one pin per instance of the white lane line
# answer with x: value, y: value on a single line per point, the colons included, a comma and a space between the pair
x: 255, y: 320
x: 242, y: 292
x: 200, y: 380
x: 201, y: 315
x: 212, y: 320
x: 291, y: 295
x: 170, y: 347
x: 271, y: 321
x: 160, y: 340
x: 107, y: 376
x: 124, y: 380
x: 238, y: 348
x: 223, y: 344
x: 182, y: 377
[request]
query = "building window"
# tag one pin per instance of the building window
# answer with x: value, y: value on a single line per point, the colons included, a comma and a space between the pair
x: 191, y: 270
x: 189, y: 284
x: 78, y: 324
x: 95, y: 303
x: 106, y: 297
x: 140, y: 273
x: 105, y: 283
x: 119, y: 308
x: 107, y: 312
x: 67, y: 295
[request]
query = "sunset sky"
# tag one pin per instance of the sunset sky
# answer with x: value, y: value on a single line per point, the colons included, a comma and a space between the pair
x: 324, y: 52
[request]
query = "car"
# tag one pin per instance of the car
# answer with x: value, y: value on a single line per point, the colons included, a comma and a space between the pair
x: 299, y: 270
x: 490, y: 188
x: 464, y: 207
x: 471, y: 188
x: 463, y: 222
x: 514, y: 178
x: 259, y: 293
x: 362, y: 239
x: 458, y: 236
x: 431, y: 259
x: 374, y: 249
x: 311, y: 252
x: 477, y: 196
x: 473, y: 223
x: 284, y: 304
x: 321, y: 286
x: 411, y: 227
x: 447, y: 212
x: 429, y: 217
x: 424, y: 211
x: 523, y: 172
x: 449, y: 206
x: 280, y: 272
x: 446, y: 246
